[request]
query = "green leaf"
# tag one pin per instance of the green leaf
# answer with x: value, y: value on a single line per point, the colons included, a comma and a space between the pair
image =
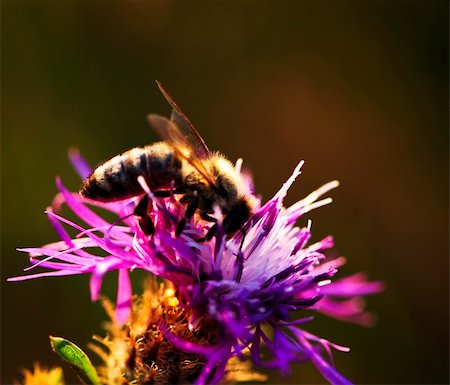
x: 77, y: 359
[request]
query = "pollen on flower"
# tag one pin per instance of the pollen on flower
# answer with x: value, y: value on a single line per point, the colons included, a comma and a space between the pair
x: 169, y: 297
x: 139, y: 353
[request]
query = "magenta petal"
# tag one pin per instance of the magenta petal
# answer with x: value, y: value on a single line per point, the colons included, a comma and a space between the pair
x: 350, y: 310
x: 63, y: 234
x: 78, y: 269
x: 101, y: 268
x: 81, y: 166
x: 46, y: 274
x: 217, y: 361
x: 87, y: 215
x: 354, y: 285
x: 328, y: 371
x: 64, y: 255
x: 123, y: 297
x: 95, y: 284
x: 106, y: 245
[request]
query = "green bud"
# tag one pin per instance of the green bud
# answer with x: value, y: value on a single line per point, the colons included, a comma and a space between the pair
x: 77, y: 359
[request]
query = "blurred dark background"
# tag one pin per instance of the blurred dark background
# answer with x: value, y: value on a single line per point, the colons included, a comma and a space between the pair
x: 357, y: 89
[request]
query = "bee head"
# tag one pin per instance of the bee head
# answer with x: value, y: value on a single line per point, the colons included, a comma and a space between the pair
x: 238, y: 215
x: 234, y: 195
x: 228, y: 190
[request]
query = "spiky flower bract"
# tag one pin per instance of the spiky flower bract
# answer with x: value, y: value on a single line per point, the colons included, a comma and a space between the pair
x: 257, y: 287
x: 41, y: 375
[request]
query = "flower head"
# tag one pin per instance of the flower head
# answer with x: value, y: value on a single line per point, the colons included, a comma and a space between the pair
x: 40, y: 375
x: 139, y: 353
x: 258, y: 286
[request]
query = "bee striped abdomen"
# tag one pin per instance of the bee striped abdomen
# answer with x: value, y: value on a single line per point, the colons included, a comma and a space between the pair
x: 117, y: 178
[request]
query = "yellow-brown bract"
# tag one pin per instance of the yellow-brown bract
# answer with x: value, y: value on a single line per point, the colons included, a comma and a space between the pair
x: 180, y: 164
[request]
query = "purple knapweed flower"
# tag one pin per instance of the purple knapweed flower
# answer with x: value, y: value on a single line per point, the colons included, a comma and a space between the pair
x: 258, y: 285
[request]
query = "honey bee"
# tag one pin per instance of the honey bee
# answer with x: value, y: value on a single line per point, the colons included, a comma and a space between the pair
x: 180, y: 164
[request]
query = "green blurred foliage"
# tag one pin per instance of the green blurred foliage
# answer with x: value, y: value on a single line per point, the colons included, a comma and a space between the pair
x: 357, y: 89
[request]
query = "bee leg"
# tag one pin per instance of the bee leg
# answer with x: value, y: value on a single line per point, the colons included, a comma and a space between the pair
x: 207, y: 217
x: 244, y: 234
x: 211, y: 232
x: 147, y: 226
x: 240, y: 266
x: 162, y: 193
x: 180, y: 190
x: 185, y: 199
x: 141, y: 208
x: 190, y: 210
x: 240, y: 258
x: 192, y: 206
x: 168, y: 193
x: 180, y: 227
x: 209, y: 235
x: 144, y: 220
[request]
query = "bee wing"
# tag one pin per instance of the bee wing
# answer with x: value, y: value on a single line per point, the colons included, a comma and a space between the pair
x: 171, y: 133
x: 192, y: 138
